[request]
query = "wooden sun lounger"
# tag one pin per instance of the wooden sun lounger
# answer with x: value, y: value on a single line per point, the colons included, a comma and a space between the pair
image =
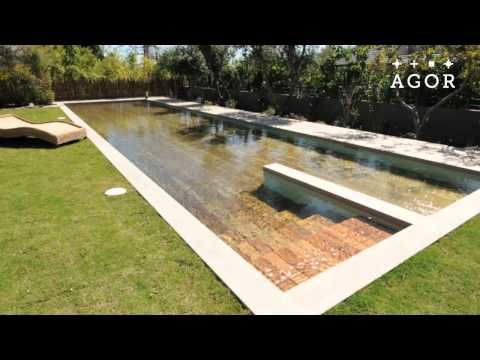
x: 54, y: 132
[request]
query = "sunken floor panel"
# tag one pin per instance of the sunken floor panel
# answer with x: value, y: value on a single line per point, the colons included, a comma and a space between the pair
x: 298, y: 250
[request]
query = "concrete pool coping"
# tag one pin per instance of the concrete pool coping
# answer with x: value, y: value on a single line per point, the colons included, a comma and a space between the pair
x: 314, y: 296
x: 391, y: 214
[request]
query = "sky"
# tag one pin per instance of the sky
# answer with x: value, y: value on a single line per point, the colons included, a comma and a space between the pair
x: 125, y: 49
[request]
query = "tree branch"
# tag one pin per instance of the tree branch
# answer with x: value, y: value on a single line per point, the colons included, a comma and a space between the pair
x: 444, y: 100
x: 412, y: 109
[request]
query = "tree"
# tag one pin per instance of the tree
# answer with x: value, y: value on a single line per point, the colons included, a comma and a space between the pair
x: 96, y: 50
x: 147, y: 52
x: 378, y: 81
x: 263, y: 58
x: 80, y: 63
x: 296, y: 59
x: 279, y: 67
x: 216, y: 58
x: 465, y: 65
x: 8, y: 55
x: 355, y: 81
x: 113, y: 67
x: 344, y: 76
x: 182, y: 62
x: 24, y: 77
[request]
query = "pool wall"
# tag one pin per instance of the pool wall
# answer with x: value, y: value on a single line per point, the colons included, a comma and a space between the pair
x: 316, y: 295
x: 301, y: 187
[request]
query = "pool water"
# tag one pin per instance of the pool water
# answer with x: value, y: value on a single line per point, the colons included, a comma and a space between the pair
x: 214, y: 168
x: 217, y: 161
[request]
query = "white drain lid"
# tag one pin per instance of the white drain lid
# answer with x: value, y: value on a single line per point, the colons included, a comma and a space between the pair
x: 115, y: 191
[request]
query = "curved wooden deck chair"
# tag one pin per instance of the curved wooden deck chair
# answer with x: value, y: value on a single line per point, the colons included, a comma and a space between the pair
x: 54, y: 132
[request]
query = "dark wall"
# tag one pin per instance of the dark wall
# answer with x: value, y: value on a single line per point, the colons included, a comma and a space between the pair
x: 250, y: 101
x: 449, y: 126
x: 107, y: 89
x: 456, y: 127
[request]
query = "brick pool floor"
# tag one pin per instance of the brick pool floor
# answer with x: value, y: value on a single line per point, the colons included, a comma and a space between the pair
x: 299, y: 250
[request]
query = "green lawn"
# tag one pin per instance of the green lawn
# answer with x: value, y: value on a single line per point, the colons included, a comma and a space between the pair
x: 442, y: 279
x: 66, y: 248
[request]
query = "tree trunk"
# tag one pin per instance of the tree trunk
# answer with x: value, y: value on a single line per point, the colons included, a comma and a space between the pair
x: 266, y: 88
x: 146, y: 52
x: 291, y: 92
x: 428, y: 113
x: 295, y: 64
x: 347, y: 100
x: 419, y: 123
x: 413, y: 111
x: 216, y: 82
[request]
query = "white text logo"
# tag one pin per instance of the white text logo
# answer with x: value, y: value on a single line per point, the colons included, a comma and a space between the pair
x: 431, y: 81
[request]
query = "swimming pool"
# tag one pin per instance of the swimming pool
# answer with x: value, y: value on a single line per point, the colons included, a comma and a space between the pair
x: 214, y: 169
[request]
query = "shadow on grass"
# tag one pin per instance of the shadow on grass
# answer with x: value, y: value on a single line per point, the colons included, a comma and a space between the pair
x: 30, y: 143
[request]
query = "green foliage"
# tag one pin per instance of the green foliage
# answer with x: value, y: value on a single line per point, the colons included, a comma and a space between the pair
x: 113, y: 67
x: 27, y: 72
x: 19, y: 86
x: 80, y: 64
x: 269, y: 111
x: 96, y: 50
x: 268, y: 69
x: 217, y: 58
x: 182, y: 63
x: 7, y: 56
x: 231, y: 103
x: 23, y: 77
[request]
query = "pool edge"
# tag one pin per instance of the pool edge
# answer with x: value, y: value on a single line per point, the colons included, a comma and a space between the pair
x: 314, y: 296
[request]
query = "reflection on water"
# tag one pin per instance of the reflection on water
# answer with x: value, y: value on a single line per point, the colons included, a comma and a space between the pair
x: 214, y: 168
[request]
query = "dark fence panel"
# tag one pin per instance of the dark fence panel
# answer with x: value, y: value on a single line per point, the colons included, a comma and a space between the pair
x: 453, y: 126
x: 249, y: 101
x: 108, y: 89
x: 326, y: 110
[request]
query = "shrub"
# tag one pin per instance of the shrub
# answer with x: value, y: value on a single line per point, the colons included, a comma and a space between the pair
x: 270, y: 111
x: 231, y: 103
x: 19, y: 87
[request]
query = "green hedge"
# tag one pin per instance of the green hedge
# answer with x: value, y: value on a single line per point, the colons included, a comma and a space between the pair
x: 19, y: 87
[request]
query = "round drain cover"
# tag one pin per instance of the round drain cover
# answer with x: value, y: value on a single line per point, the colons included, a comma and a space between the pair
x: 115, y: 191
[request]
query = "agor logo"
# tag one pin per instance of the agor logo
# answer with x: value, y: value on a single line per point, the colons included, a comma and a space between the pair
x: 431, y: 81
